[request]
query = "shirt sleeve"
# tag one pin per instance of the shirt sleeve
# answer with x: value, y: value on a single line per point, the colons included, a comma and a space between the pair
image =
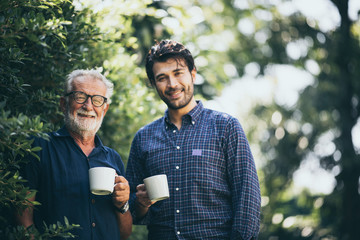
x: 116, y: 158
x: 135, y: 173
x: 243, y: 181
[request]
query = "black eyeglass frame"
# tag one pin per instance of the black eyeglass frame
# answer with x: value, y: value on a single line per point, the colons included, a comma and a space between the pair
x: 87, y: 97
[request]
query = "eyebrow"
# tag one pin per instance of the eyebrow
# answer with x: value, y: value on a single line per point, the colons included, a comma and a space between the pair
x: 179, y: 69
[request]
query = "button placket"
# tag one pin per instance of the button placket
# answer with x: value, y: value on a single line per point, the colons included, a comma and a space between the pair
x: 180, y: 146
x: 177, y: 198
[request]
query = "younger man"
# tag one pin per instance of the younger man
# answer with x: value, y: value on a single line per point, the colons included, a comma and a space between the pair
x: 214, y: 188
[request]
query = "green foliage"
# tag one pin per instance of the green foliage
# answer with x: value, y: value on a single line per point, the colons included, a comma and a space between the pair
x: 34, y: 55
x: 51, y: 231
x: 328, y: 109
x: 59, y: 229
x: 15, y: 144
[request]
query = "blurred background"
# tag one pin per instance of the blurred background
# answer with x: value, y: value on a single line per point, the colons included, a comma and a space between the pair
x: 288, y: 70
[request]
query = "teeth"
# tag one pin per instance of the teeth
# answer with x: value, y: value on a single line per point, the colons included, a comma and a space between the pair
x: 82, y: 113
x: 175, y: 93
x: 86, y: 115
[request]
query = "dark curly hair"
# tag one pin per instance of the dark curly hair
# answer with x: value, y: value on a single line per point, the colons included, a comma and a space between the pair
x: 164, y: 50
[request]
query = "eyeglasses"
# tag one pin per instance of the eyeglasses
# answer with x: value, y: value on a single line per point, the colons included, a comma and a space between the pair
x: 81, y: 97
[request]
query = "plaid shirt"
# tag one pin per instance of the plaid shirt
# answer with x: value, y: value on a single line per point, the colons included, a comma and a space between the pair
x: 214, y: 188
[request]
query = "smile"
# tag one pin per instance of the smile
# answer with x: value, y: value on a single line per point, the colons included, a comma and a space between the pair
x: 85, y: 115
x: 174, y: 94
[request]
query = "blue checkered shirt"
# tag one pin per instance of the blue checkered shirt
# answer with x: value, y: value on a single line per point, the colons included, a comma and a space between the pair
x: 214, y: 187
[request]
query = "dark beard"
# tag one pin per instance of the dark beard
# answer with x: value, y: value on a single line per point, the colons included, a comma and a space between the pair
x: 188, y: 97
x: 176, y: 107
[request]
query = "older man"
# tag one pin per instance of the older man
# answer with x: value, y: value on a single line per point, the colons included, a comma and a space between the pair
x: 61, y: 176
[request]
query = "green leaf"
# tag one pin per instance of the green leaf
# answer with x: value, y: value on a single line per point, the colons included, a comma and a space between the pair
x: 35, y: 155
x: 66, y: 222
x: 36, y: 149
x: 32, y: 37
x: 66, y: 22
x: 30, y: 194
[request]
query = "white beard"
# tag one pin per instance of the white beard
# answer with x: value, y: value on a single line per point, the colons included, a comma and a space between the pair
x: 84, y: 126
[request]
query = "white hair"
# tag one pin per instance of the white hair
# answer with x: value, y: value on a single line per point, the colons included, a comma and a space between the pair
x: 93, y: 73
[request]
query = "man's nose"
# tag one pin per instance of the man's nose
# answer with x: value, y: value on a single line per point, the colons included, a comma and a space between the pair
x: 172, y: 82
x: 88, y: 104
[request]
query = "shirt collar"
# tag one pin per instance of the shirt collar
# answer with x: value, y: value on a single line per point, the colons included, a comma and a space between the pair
x: 196, y: 112
x: 63, y: 132
x: 193, y: 115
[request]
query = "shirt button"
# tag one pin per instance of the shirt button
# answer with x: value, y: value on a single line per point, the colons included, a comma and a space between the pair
x: 177, y: 147
x: 178, y: 232
x: 177, y: 189
x: 177, y: 211
x: 177, y: 167
x: 193, y: 122
x: 174, y: 131
x: 93, y: 224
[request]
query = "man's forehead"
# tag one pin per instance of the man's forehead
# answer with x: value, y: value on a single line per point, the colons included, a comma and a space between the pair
x: 88, y: 82
x: 170, y: 64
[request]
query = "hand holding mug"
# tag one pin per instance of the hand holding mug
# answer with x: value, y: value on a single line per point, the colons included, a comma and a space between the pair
x: 155, y: 188
x: 121, y: 191
x: 142, y: 197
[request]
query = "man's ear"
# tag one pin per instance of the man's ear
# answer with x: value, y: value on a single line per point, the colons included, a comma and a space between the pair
x: 63, y: 104
x: 106, y: 108
x: 193, y: 74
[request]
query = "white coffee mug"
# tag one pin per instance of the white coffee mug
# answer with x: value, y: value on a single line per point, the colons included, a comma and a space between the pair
x: 157, y: 187
x: 101, y: 180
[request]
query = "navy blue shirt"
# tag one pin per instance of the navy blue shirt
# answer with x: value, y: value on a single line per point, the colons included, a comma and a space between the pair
x: 62, y: 180
x: 213, y: 183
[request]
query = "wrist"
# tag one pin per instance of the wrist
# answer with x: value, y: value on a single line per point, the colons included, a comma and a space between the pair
x: 141, y: 204
x: 122, y: 209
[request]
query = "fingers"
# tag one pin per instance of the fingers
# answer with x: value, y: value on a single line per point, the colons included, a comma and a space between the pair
x: 140, y: 187
x: 121, y: 191
x: 120, y: 179
x: 121, y: 184
x: 142, y: 196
